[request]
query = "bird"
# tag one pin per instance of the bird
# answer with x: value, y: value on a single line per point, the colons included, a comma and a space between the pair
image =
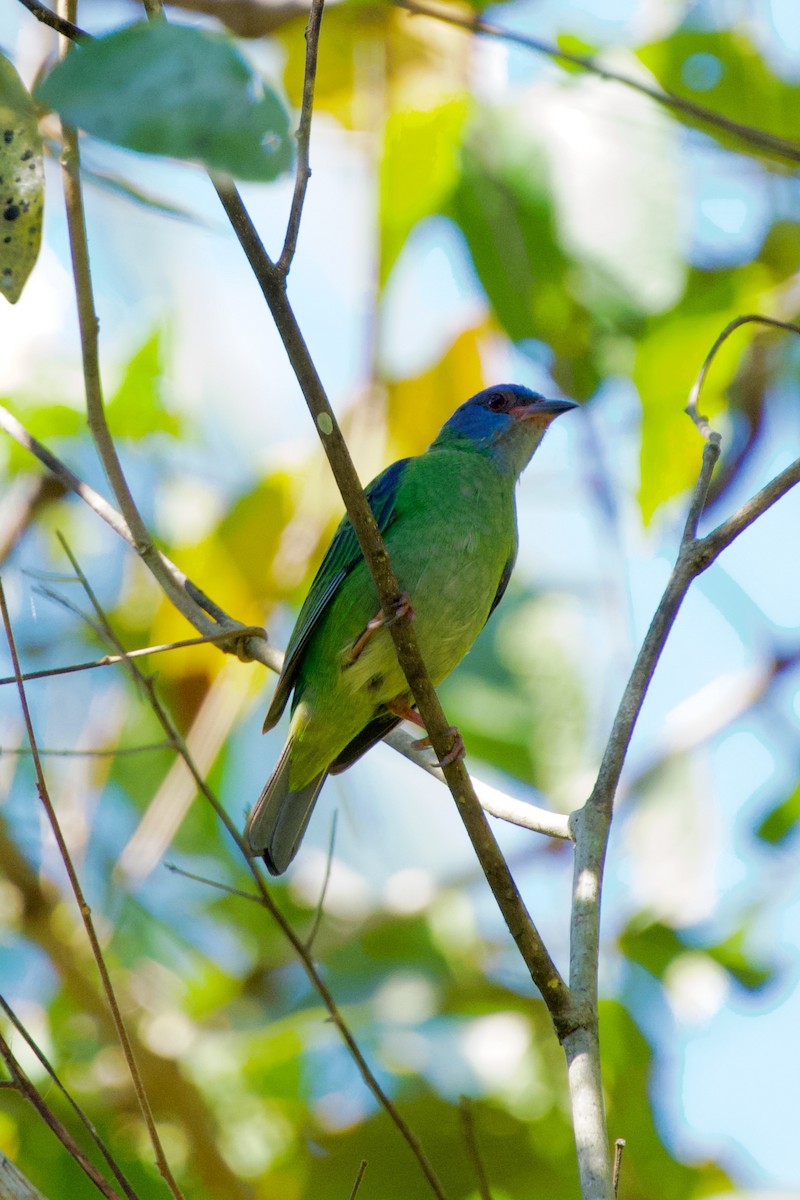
x: 448, y: 520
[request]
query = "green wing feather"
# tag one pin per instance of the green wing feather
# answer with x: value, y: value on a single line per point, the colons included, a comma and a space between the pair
x: 343, y: 554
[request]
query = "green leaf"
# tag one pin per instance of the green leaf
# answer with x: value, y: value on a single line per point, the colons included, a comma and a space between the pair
x: 732, y: 955
x: 656, y: 946
x: 503, y: 204
x: 723, y: 71
x: 137, y: 408
x: 176, y: 91
x: 412, y: 138
x: 21, y: 183
x: 781, y: 820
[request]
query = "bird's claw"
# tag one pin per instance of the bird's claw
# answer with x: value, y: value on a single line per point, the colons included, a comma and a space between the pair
x: 454, y: 754
x: 401, y: 610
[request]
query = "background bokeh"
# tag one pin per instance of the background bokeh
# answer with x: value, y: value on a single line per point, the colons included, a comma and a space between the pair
x: 476, y: 213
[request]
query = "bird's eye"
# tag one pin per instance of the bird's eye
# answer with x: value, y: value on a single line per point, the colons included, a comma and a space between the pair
x: 496, y: 402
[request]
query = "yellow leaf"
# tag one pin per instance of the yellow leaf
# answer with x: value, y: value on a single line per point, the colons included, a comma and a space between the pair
x: 417, y: 408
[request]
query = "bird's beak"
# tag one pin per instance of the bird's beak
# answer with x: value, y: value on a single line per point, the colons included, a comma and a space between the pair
x: 546, y: 409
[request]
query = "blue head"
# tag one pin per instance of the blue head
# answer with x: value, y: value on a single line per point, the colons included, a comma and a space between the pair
x: 506, y: 423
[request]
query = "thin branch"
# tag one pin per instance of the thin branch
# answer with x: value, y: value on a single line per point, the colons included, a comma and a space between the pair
x: 273, y: 286
x: 242, y: 640
x: 592, y: 824
x: 172, y: 581
x: 471, y: 1142
x: 619, y: 1146
x: 758, y: 139
x: 60, y: 24
x: 709, y: 547
x: 76, y: 1108
x: 28, y: 1089
x: 358, y: 1179
x: 110, y: 660
x: 265, y: 899
x: 256, y: 647
x: 317, y: 919
x: 86, y: 916
x: 303, y: 169
x: 112, y: 752
x: 749, y: 319
x: 492, y: 800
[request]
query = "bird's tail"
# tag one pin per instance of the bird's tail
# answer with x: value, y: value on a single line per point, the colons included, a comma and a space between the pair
x: 276, y: 825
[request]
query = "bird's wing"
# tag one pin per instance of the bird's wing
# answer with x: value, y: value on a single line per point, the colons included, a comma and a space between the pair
x: 504, y: 578
x: 342, y: 555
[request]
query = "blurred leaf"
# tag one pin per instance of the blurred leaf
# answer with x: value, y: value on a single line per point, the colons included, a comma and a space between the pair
x: 779, y: 823
x: 173, y: 90
x: 653, y: 946
x: 503, y: 205
x: 723, y: 71
x: 731, y: 954
x: 517, y: 697
x: 137, y: 408
x: 656, y: 946
x: 22, y: 183
x: 413, y: 139
x: 648, y: 1169
x: 417, y: 408
x: 373, y: 58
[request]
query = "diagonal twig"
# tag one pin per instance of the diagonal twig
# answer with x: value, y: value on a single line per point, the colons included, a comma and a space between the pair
x: 303, y: 169
x: 86, y: 917
x: 759, y: 139
x: 76, y: 1108
x: 592, y: 824
x: 28, y: 1089
x: 67, y: 29
x: 273, y: 286
x: 258, y: 649
x: 265, y: 899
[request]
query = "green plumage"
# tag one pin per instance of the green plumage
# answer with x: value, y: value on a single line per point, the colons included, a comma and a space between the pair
x: 449, y: 523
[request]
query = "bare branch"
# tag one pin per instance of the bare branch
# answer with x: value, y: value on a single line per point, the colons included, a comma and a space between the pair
x: 303, y: 169
x: 471, y: 1141
x: 582, y: 1051
x: 273, y: 286
x: 243, y: 641
x: 751, y: 318
x: 32, y: 1094
x: 317, y: 919
x: 112, y: 752
x: 758, y: 139
x: 86, y: 916
x: 592, y: 823
x: 709, y: 547
x: 492, y: 800
x: 265, y: 899
x: 82, y: 1117
x: 358, y: 1179
x: 110, y: 660
x: 619, y: 1146
x: 172, y: 581
x: 60, y: 24
x: 256, y: 647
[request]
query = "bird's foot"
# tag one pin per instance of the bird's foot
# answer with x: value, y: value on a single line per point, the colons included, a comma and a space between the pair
x: 456, y: 751
x: 401, y: 610
x: 399, y: 709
